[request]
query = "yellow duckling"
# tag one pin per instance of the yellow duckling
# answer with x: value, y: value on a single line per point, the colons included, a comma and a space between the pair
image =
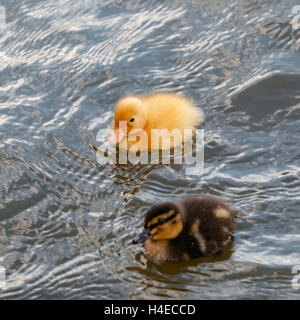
x: 137, y: 117
x: 194, y: 228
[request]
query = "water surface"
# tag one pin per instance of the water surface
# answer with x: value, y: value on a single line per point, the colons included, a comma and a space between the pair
x: 67, y: 222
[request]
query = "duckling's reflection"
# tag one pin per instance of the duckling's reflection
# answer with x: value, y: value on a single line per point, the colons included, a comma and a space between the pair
x: 173, y: 268
x: 131, y: 176
x: 177, y: 158
x: 148, y: 267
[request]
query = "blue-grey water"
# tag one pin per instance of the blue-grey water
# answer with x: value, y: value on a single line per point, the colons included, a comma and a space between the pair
x: 67, y: 221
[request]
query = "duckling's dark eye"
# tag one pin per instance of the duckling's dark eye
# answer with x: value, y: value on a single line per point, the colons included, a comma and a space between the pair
x: 132, y: 119
x: 161, y: 220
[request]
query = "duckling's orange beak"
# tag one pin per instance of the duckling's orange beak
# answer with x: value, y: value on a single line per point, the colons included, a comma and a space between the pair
x: 142, y: 237
x: 118, y: 134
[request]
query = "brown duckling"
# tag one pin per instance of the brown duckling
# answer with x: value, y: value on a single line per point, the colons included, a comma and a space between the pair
x: 196, y: 227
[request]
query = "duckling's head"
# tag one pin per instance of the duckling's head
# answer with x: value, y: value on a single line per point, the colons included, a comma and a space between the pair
x: 130, y: 118
x: 163, y: 222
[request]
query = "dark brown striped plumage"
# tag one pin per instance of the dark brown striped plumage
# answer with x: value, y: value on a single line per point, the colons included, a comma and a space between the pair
x: 196, y: 227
